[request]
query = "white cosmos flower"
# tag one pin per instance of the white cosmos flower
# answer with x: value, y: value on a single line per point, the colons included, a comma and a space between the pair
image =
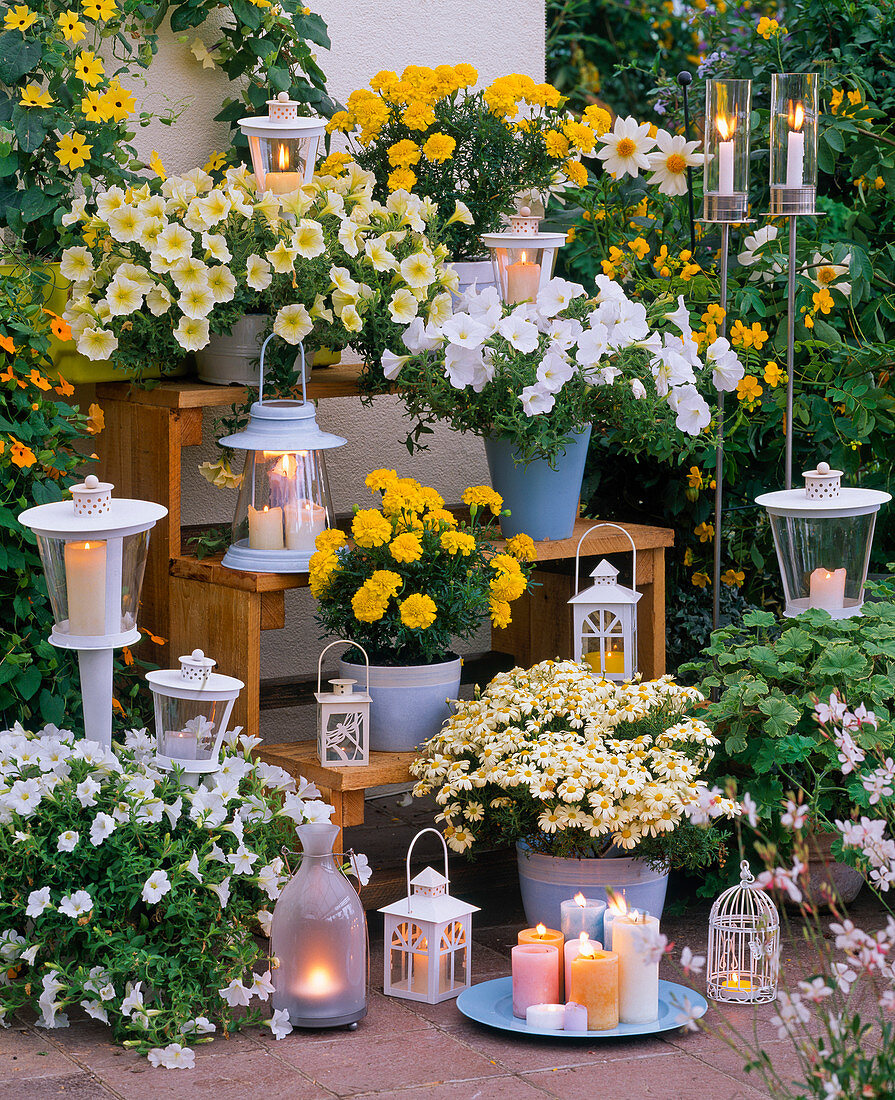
x: 693, y: 413
x: 103, y: 826
x: 727, y: 368
x: 669, y: 163
x: 192, y: 333
x: 67, y: 840
x: 465, y: 331
x: 38, y: 901
x: 97, y: 343
x: 518, y: 332
x: 536, y: 400
x: 625, y: 148
x: 76, y: 904
x: 279, y: 1023
x: 236, y: 994
x: 403, y: 307
x: 155, y: 887
x: 77, y: 264
x: 173, y: 1056
x: 258, y: 273
x: 196, y: 303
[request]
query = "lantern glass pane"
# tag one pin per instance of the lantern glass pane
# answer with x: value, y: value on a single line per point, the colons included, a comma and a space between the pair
x: 823, y: 560
x: 727, y: 108
x: 410, y: 958
x: 342, y: 731
x: 283, y: 165
x: 284, y: 501
x: 794, y: 111
x: 453, y: 963
x: 94, y: 584
x: 521, y: 269
x: 187, y: 729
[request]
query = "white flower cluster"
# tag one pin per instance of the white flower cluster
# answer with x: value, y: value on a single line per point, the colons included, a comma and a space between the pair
x: 474, y: 340
x: 557, y: 735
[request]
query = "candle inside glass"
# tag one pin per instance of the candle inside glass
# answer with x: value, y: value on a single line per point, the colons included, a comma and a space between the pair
x: 85, y: 585
x: 826, y: 589
x: 181, y: 745
x: 725, y: 154
x: 282, y: 181
x: 523, y: 279
x: 738, y: 982
x: 795, y: 146
x: 265, y: 528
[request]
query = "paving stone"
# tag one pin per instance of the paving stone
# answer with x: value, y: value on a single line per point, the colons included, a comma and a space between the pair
x: 77, y: 1086
x: 26, y: 1054
x: 492, y: 1088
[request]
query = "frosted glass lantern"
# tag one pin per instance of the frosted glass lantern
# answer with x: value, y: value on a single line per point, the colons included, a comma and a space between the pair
x: 343, y: 718
x: 794, y: 114
x: 523, y: 259
x: 283, y: 146
x: 823, y: 534
x: 743, y: 961
x: 193, y: 705
x: 319, y: 939
x: 726, y: 165
x: 428, y: 937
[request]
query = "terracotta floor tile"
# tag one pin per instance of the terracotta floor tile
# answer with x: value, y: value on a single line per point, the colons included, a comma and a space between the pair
x: 26, y: 1054
x: 491, y: 1088
x: 78, y: 1086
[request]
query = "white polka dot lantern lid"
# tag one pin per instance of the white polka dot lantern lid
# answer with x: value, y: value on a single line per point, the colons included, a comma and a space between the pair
x: 283, y: 146
x: 823, y: 534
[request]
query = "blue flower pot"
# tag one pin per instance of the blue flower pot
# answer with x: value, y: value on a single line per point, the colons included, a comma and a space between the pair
x: 543, y: 502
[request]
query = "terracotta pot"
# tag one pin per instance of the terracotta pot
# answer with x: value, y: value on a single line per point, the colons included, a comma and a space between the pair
x: 826, y: 878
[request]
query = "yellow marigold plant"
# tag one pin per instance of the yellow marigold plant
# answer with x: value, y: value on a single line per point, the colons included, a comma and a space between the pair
x: 414, y: 578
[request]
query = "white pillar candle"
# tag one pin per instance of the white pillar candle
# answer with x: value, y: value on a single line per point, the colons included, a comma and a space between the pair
x: 725, y: 168
x: 572, y: 949
x: 826, y: 589
x: 282, y: 181
x: 634, y: 937
x: 580, y: 914
x: 419, y: 982
x: 85, y: 585
x: 617, y: 908
x: 575, y: 1017
x: 305, y: 520
x: 282, y: 480
x: 181, y: 745
x: 265, y: 528
x: 795, y: 158
x: 546, y: 1017
x: 523, y: 280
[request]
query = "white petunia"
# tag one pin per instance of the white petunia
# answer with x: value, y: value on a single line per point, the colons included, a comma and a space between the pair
x: 76, y: 904
x: 727, y: 368
x: 265, y: 919
x: 77, y: 264
x: 236, y: 994
x: 133, y: 999
x: 258, y: 273
x: 103, y: 826
x: 261, y: 985
x: 242, y: 860
x: 38, y: 901
x: 392, y: 364
x: 279, y: 1023
x: 318, y: 811
x: 200, y: 1026
x: 556, y: 296
x: 554, y: 371
x: 293, y: 323
x: 360, y: 868
x: 536, y: 400
x: 192, y: 333
x: 86, y: 790
x: 270, y: 878
x: 193, y: 867
x: 751, y: 257
x: 96, y: 1010
x: 625, y: 148
x: 693, y: 412
x: 420, y: 336
x: 519, y: 333
x: 465, y: 331
x: 222, y: 889
x: 173, y: 1056
x: 155, y: 887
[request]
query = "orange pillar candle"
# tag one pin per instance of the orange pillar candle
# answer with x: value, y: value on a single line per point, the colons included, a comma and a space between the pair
x: 541, y: 934
x: 595, y: 985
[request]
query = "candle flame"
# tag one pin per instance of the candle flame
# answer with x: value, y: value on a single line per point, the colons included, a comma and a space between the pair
x: 283, y: 160
x: 726, y: 127
x: 617, y: 904
x: 580, y: 899
x: 583, y: 938
x: 796, y: 116
x: 524, y: 257
x: 541, y: 930
x: 586, y: 951
x: 286, y: 466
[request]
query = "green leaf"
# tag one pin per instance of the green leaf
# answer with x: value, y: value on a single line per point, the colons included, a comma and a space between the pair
x: 30, y: 129
x: 36, y: 203
x: 28, y: 683
x: 18, y: 56
x: 781, y: 715
x: 312, y: 28
x: 183, y: 17
x: 840, y: 662
x: 247, y: 14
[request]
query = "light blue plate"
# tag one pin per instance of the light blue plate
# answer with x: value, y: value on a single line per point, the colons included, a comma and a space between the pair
x: 491, y: 1003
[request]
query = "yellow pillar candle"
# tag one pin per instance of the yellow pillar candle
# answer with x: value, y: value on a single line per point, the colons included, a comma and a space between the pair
x: 614, y: 661
x: 265, y: 528
x: 85, y: 585
x: 540, y: 934
x: 595, y: 985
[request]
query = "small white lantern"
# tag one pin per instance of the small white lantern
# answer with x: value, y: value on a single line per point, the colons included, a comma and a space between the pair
x: 523, y: 259
x: 283, y: 146
x: 93, y: 549
x: 284, y: 500
x: 743, y: 962
x: 343, y: 718
x: 823, y: 534
x: 428, y: 938
x: 193, y: 705
x: 604, y: 618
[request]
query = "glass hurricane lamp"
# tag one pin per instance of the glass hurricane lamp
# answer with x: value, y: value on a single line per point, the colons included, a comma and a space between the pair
x: 283, y: 146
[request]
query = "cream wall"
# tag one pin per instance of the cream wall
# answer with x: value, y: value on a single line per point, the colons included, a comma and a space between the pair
x: 367, y: 35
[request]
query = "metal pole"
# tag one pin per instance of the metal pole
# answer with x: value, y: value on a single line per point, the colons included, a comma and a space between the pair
x: 685, y: 79
x: 790, y: 345
x: 719, y: 449
x: 96, y: 692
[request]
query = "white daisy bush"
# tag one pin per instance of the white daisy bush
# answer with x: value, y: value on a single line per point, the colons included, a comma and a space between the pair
x: 572, y: 764
x: 539, y: 371
x: 157, y: 270
x: 137, y: 900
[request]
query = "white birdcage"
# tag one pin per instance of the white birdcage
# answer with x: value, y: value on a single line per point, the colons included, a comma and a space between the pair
x: 744, y: 944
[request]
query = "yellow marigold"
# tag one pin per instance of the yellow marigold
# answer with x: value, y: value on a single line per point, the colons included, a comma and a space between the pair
x: 403, y: 495
x: 576, y: 172
x: 467, y: 74
x: 386, y: 581
x: 522, y: 547
x: 439, y: 147
x: 402, y: 179
x: 377, y: 481
x: 418, y: 116
x: 599, y: 119
x: 483, y: 496
x: 368, y: 604
x: 556, y: 144
x: 340, y: 123
x: 334, y: 165
x: 508, y: 586
x: 321, y: 568
x: 581, y: 136
x: 403, y: 153
x: 504, y: 563
x: 500, y: 614
x: 439, y: 518
x: 330, y: 539
x: 458, y: 542
x: 370, y: 528
x: 406, y: 548
x: 383, y: 79
x: 418, y: 612
x: 733, y: 578
x: 543, y: 95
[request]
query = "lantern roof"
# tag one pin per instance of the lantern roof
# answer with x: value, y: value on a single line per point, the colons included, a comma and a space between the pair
x: 823, y: 497
x: 437, y: 909
x: 605, y: 589
x: 283, y: 426
x: 282, y: 121
x: 194, y: 680
x: 429, y: 879
x: 92, y: 512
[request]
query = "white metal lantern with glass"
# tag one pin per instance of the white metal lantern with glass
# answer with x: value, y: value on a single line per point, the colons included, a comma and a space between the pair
x: 743, y: 960
x: 823, y: 534
x: 343, y: 718
x: 93, y: 549
x: 193, y: 705
x: 604, y: 618
x: 284, y: 501
x: 523, y: 259
x: 283, y: 146
x: 428, y: 937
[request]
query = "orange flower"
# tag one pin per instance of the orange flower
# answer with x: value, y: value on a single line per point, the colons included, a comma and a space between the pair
x: 61, y: 329
x: 96, y: 419
x: 21, y: 456
x: 117, y: 706
x: 37, y: 379
x: 154, y: 637
x: 127, y: 655
x: 64, y: 389
x: 2, y: 446
x: 7, y: 344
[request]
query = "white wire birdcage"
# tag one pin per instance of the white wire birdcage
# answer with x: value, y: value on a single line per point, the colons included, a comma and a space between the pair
x: 744, y: 944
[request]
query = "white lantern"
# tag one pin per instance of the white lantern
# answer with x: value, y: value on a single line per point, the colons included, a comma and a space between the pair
x: 743, y: 960
x: 284, y: 500
x: 604, y: 618
x: 523, y: 259
x: 343, y: 718
x: 428, y: 937
x: 193, y: 705
x: 93, y: 550
x: 823, y: 534
x: 283, y: 146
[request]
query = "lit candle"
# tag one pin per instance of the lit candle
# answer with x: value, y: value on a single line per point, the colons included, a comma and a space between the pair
x: 535, y: 976
x: 523, y: 279
x: 575, y: 1018
x: 633, y: 938
x: 541, y: 934
x: 546, y: 1017
x: 318, y: 984
x: 571, y: 950
x: 725, y: 154
x: 617, y: 908
x: 613, y: 661
x: 304, y: 522
x: 795, y: 146
x: 282, y: 479
x: 282, y: 182
x: 580, y: 914
x: 85, y: 585
x: 419, y: 981
x: 181, y: 745
x: 595, y: 985
x: 826, y: 589
x: 265, y: 528
x: 737, y: 983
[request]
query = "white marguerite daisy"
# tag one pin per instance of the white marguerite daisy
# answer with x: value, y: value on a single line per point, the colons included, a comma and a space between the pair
x: 670, y: 161
x: 626, y: 147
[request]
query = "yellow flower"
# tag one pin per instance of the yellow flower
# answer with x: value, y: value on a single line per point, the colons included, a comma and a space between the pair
x: 89, y: 68
x: 386, y: 581
x: 522, y: 547
x: 694, y: 478
x: 836, y: 97
x: 688, y: 557
x: 855, y: 98
x: 749, y: 389
x: 94, y: 107
x: 467, y: 75
x: 733, y: 578
x: 714, y: 314
x: 808, y: 321
x: 556, y: 144
x: 701, y: 579
x: 418, y: 612
x: 823, y: 300
x: 767, y: 28
x: 323, y: 564
x: 639, y: 247
x: 119, y: 102
x: 215, y: 162
x: 370, y: 528
x: 73, y: 30
x: 705, y: 532
x: 35, y: 96
x: 581, y: 136
x: 576, y: 172
x: 368, y: 604
x: 508, y: 586
x: 96, y: 419
x: 879, y: 183
x: 439, y: 147
x: 458, y: 542
x: 418, y: 116
x: 155, y: 163
x: 504, y: 563
x: 73, y: 151
x: 483, y: 496
x: 334, y: 165
x: 598, y: 119
x: 773, y: 375
x: 403, y: 153
x: 406, y: 548
x: 99, y: 9
x: 402, y: 179
x: 377, y: 481
x: 500, y: 614
x: 19, y: 18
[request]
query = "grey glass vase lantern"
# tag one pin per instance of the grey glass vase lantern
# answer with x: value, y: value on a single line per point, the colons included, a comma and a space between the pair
x: 319, y: 939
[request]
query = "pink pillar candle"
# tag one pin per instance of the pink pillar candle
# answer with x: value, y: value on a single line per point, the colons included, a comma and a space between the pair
x: 535, y: 976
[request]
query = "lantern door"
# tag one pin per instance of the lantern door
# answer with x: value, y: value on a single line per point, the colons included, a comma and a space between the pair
x: 607, y: 641
x: 343, y: 731
x: 412, y: 967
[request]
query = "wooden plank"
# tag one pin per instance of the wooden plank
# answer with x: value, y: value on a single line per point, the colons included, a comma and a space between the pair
x: 211, y: 571
x: 541, y: 626
x: 352, y: 808
x: 651, y: 621
x: 273, y: 611
x: 300, y: 758
x: 604, y: 541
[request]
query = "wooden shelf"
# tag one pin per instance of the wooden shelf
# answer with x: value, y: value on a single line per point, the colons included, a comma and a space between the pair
x: 211, y: 570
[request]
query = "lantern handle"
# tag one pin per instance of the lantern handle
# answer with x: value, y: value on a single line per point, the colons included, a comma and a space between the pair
x: 304, y: 391
x: 410, y: 852
x: 627, y: 535
x: 343, y: 641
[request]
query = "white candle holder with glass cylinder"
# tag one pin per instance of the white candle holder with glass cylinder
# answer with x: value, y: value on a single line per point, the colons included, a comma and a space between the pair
x: 283, y: 146
x: 93, y: 549
x: 192, y: 706
x: 523, y: 258
x: 343, y: 717
x: 823, y: 534
x: 604, y: 618
x: 428, y: 937
x: 743, y: 959
x: 284, y: 501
